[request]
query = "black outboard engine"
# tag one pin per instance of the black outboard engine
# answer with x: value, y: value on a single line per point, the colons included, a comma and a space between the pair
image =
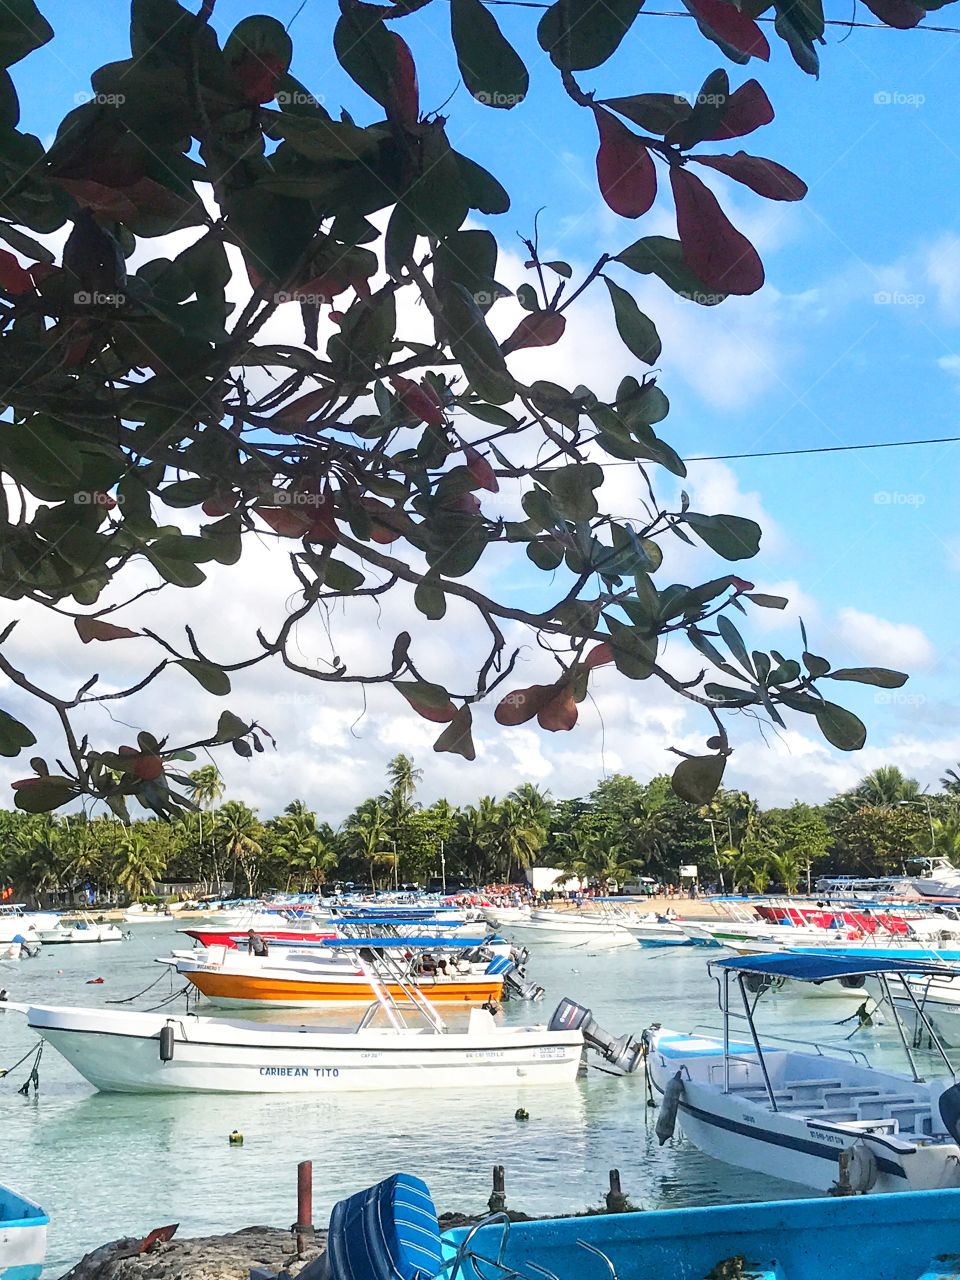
x: 623, y: 1054
x: 950, y: 1111
x: 518, y: 986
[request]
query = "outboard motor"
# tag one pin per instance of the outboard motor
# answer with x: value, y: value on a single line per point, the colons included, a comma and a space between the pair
x: 518, y: 987
x: 623, y: 1053
x: 950, y: 1111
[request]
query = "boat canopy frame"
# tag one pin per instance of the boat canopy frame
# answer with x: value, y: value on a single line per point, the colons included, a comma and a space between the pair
x: 816, y: 969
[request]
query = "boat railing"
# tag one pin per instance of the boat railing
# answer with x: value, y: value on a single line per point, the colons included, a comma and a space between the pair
x: 485, y: 1267
x: 822, y: 1050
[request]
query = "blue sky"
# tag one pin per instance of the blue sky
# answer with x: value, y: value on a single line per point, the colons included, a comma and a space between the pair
x: 818, y: 358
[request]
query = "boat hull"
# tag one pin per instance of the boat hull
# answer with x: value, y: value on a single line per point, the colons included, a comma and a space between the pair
x: 23, y: 1237
x: 120, y: 1053
x: 233, y: 990
x: 792, y: 1143
x: 880, y: 1237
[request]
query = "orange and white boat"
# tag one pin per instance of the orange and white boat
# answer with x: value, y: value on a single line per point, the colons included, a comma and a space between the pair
x: 333, y: 972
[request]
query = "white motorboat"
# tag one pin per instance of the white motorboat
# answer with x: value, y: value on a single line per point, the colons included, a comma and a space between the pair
x: 805, y: 1114
x: 128, y: 1052
x: 83, y: 929
x: 11, y: 950
x: 23, y: 1236
x: 497, y: 916
x: 574, y: 928
x: 941, y: 879
x: 653, y: 930
x: 17, y: 924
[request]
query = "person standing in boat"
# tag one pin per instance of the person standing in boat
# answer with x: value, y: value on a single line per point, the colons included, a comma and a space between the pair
x: 256, y: 946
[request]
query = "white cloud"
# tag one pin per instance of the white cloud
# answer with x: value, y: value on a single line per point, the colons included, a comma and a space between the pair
x: 897, y: 644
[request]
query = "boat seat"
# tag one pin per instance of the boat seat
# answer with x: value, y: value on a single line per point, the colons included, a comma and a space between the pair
x: 885, y: 1103
x: 813, y: 1084
x: 852, y: 1091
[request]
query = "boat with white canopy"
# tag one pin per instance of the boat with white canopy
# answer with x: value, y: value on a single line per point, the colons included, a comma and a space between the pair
x: 812, y: 1114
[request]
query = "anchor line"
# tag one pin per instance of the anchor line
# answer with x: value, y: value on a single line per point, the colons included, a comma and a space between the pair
x: 184, y: 991
x: 5, y: 1071
x: 128, y: 999
x: 34, y: 1077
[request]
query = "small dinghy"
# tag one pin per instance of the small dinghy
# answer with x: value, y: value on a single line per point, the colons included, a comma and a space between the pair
x: 23, y: 1236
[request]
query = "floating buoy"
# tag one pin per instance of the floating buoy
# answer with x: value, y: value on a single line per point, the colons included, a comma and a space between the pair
x: 94, y: 982
x: 521, y: 1113
x: 236, y: 1138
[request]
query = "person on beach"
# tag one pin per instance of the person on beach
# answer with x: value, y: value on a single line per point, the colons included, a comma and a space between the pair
x: 256, y: 946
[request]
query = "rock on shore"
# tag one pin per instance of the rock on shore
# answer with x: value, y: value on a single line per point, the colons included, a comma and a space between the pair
x: 226, y: 1257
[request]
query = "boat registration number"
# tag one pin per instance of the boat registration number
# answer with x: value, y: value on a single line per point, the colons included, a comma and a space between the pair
x: 551, y: 1051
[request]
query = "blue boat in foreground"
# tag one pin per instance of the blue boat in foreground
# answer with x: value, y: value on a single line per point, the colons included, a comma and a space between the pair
x: 911, y: 1236
x: 391, y: 1232
x: 23, y: 1236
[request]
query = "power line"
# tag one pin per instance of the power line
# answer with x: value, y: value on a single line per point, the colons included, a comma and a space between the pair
x: 830, y: 448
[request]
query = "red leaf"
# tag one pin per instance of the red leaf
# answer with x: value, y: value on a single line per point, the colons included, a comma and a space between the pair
x: 625, y: 170
x: 21, y: 783
x: 13, y: 277
x: 148, y: 767
x: 480, y: 469
x: 748, y: 108
x: 406, y: 91
x: 324, y: 527
x: 299, y: 410
x: 382, y: 531
x: 539, y: 329
x: 559, y: 713
x: 285, y: 521
x: 159, y: 1235
x: 732, y: 26
x: 714, y: 250
x: 521, y: 705
x: 93, y: 629
x: 598, y: 656
x: 896, y: 13
x: 219, y: 505
x: 257, y: 75
x: 422, y: 403
x: 765, y: 177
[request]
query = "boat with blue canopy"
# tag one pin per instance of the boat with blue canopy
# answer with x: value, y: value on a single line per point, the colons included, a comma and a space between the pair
x: 817, y: 1114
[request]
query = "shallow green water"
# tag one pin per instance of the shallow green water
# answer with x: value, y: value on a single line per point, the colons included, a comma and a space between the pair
x: 110, y: 1165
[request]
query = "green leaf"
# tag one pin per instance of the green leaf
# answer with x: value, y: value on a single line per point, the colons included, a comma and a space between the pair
x: 732, y: 537
x: 545, y: 555
x: 483, y: 190
x: 430, y: 600
x: 638, y: 331
x: 14, y: 736
x: 457, y: 736
x: 662, y: 257
x: 734, y: 642
x: 581, y: 34
x: 46, y: 794
x: 765, y: 601
x: 475, y: 347
x: 654, y: 112
x: 400, y: 241
x: 881, y: 677
x: 841, y: 728
x: 572, y: 489
x: 491, y: 68
x: 561, y: 268
x: 341, y: 577
x: 634, y: 652
x: 206, y: 674
x: 230, y: 726
x: 186, y: 493
x: 697, y: 778
x: 25, y: 244
x: 366, y: 52
x: 23, y: 28
x: 815, y: 665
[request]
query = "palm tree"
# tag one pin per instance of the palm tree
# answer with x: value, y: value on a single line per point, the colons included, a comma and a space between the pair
x: 945, y: 841
x: 787, y: 866
x: 535, y: 805
x: 515, y: 837
x: 398, y: 804
x: 306, y: 847
x: 403, y: 777
x: 886, y: 787
x: 239, y: 832
x: 749, y: 868
x: 140, y: 865
x: 366, y: 833
x: 206, y: 788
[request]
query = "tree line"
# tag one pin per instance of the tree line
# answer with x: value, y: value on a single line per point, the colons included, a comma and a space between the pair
x: 621, y: 830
